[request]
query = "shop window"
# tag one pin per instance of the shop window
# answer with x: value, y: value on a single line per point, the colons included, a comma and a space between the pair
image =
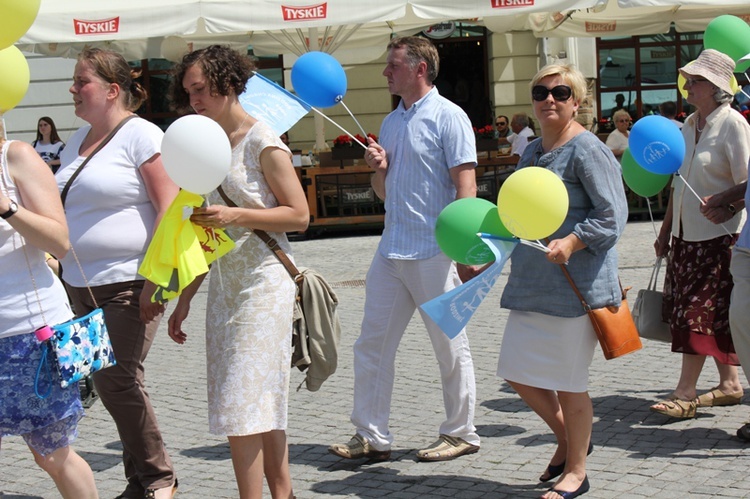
x: 463, y: 76
x: 639, y: 73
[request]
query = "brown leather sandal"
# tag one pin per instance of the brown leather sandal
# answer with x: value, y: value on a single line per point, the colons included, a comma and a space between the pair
x: 676, y: 408
x: 716, y: 398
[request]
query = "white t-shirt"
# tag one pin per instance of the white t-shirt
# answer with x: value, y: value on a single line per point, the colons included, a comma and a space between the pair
x: 110, y: 216
x: 49, y: 152
x: 520, y: 140
x: 617, y: 141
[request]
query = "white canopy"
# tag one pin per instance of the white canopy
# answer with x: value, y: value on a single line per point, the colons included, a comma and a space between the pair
x: 141, y: 28
x: 714, y: 4
x: 635, y: 17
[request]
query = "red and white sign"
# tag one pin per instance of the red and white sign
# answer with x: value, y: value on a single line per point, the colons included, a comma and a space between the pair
x: 504, y: 4
x: 100, y: 27
x: 308, y: 13
x: 601, y: 27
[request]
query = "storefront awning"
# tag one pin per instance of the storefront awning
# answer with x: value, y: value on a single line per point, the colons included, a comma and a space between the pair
x: 145, y: 28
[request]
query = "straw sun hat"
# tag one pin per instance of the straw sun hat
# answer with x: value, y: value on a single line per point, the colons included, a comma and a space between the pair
x: 716, y: 67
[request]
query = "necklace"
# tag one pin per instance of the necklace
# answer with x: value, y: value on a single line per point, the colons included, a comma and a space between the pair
x: 697, y: 128
x: 231, y: 135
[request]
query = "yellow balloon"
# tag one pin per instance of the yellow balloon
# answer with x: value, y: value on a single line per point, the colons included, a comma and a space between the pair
x: 15, y: 78
x: 533, y: 203
x: 16, y: 17
x: 681, y: 83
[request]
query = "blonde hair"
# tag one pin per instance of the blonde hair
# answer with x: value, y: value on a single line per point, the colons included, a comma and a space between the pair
x: 569, y: 73
x: 620, y: 112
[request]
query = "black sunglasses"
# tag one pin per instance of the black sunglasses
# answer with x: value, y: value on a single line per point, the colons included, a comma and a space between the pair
x: 559, y: 93
x: 500, y: 123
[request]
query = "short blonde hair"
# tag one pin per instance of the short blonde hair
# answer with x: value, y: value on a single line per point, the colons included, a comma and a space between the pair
x: 569, y: 73
x: 621, y: 112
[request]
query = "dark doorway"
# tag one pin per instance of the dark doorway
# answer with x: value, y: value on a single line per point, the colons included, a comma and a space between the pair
x: 463, y: 76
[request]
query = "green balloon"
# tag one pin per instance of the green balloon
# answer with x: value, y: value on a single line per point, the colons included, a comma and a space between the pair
x: 730, y: 35
x: 457, y: 226
x: 641, y: 181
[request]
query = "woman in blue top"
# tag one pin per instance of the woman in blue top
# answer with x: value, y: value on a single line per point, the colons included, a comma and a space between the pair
x: 548, y: 344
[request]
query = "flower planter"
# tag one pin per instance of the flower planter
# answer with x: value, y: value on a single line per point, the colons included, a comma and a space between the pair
x: 354, y: 152
x: 326, y: 159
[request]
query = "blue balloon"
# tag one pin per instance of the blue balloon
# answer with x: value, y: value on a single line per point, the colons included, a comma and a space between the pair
x: 657, y: 145
x: 319, y: 79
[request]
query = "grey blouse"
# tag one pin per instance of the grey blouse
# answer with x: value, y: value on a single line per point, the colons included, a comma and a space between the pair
x: 597, y: 214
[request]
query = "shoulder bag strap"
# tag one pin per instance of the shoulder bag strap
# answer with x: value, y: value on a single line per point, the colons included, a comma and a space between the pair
x: 586, y: 306
x: 270, y: 241
x: 64, y: 193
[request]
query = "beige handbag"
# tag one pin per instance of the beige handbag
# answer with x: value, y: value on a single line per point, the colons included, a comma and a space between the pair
x: 647, y: 310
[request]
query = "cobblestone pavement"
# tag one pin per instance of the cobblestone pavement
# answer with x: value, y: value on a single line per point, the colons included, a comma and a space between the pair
x: 637, y: 453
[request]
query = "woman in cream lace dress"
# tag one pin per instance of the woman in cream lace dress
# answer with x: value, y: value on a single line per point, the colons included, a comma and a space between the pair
x: 250, y: 295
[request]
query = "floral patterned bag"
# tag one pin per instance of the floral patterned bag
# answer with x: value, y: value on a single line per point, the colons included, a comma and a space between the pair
x: 77, y: 348
x: 81, y: 347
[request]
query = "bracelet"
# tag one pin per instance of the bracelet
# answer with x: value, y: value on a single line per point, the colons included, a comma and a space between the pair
x: 731, y: 208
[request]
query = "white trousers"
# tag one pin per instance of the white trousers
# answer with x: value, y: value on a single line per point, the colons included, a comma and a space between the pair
x: 739, y: 307
x: 393, y: 290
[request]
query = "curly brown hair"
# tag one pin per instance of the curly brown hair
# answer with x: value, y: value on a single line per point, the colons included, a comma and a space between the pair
x: 225, y: 70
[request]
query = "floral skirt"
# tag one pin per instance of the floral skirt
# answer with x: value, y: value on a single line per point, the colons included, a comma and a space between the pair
x: 46, y: 424
x: 697, y: 288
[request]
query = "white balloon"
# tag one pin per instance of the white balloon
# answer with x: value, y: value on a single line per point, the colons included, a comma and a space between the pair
x: 196, y: 153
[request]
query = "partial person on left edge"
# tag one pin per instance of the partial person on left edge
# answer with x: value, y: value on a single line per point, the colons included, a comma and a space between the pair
x: 30, y: 298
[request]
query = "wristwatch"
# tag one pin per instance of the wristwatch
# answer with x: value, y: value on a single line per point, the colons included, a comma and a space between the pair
x: 12, y: 209
x: 731, y: 209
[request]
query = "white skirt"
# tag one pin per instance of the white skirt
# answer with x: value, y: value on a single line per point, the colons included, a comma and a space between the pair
x: 547, y: 352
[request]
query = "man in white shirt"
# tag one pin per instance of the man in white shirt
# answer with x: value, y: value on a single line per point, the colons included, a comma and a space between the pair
x: 521, y: 133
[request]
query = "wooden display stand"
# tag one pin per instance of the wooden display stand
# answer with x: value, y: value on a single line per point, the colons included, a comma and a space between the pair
x: 492, y: 172
x: 341, y: 196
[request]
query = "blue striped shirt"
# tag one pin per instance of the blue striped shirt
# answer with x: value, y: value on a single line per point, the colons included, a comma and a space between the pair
x: 422, y: 144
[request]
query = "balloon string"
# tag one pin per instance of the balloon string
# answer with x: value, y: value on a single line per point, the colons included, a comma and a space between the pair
x: 742, y: 89
x: 703, y: 203
x: 364, y: 134
x: 651, y: 216
x: 537, y: 244
x: 339, y: 127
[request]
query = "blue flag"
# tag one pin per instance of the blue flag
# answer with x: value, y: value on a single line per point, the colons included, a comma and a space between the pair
x: 266, y: 101
x: 451, y: 311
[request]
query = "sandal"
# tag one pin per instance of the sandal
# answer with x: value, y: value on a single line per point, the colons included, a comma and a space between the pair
x: 358, y: 448
x: 676, y: 408
x: 555, y: 470
x: 151, y: 493
x: 716, y: 398
x: 446, y: 448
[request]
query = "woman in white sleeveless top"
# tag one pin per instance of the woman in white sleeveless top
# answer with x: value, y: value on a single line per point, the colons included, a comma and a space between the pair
x: 32, y: 222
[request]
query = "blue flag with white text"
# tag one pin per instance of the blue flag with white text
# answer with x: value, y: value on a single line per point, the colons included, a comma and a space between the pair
x: 275, y: 106
x: 451, y: 311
